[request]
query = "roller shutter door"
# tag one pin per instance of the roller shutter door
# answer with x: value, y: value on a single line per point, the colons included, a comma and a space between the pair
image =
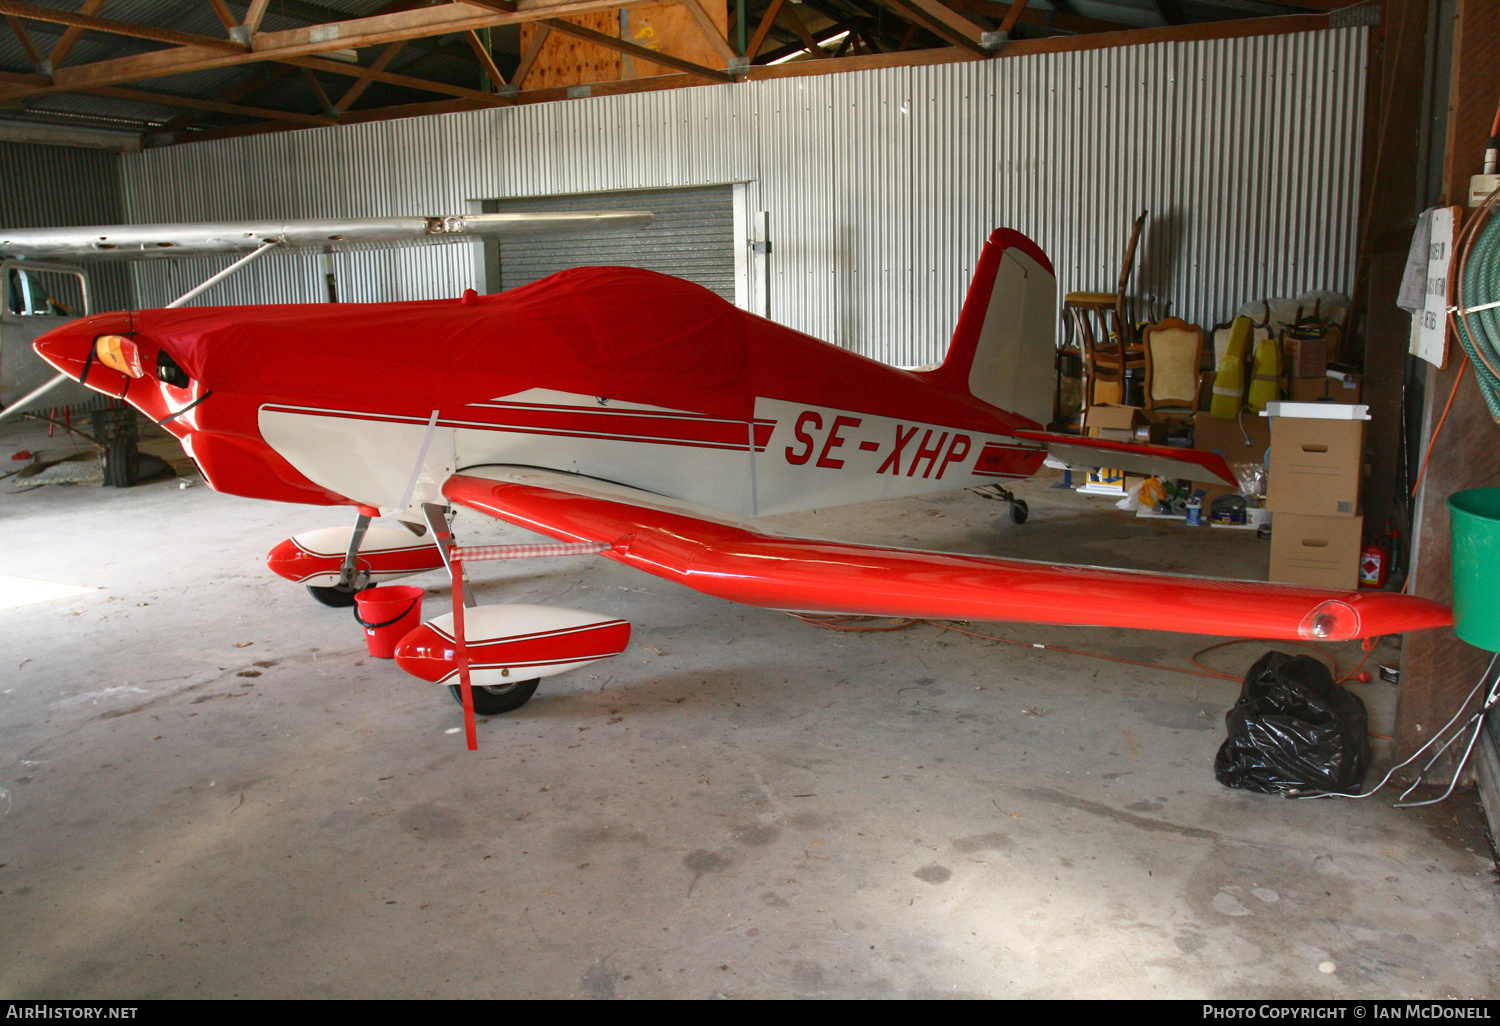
x: 691, y: 237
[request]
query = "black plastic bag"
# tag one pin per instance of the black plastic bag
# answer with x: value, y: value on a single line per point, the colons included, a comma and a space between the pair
x: 1294, y: 729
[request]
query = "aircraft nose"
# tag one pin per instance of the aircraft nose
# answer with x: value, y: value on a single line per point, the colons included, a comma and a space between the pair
x: 67, y: 348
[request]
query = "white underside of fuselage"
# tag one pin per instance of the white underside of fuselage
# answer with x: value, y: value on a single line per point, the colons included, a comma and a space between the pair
x: 791, y: 457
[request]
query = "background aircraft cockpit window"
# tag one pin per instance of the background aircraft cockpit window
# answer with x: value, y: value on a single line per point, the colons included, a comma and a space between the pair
x: 43, y: 293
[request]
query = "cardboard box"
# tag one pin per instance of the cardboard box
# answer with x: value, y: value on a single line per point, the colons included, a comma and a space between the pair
x: 1315, y: 466
x: 1304, y: 357
x: 1114, y: 423
x: 1123, y: 424
x: 1318, y: 552
x: 1239, y: 441
x: 1333, y: 387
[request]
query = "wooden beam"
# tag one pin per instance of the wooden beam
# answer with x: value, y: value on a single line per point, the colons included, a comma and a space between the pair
x: 311, y: 40
x: 820, y: 37
x: 941, y: 12
x: 499, y: 6
x: 410, y: 110
x: 226, y: 18
x: 317, y: 87
x: 654, y: 56
x: 254, y: 13
x: 119, y: 28
x: 194, y: 103
x: 1236, y: 29
x: 757, y: 40
x: 19, y: 31
x: 1321, y: 5
x: 70, y: 36
x: 424, y: 84
x: 809, y: 42
x: 1048, y: 19
x: 1011, y: 16
x: 1061, y: 44
x: 538, y: 38
x: 949, y: 27
x: 893, y: 59
x: 239, y: 91
x: 710, y: 31
x: 486, y: 59
x: 15, y: 78
x: 378, y: 65
x: 442, y: 19
x: 619, y: 87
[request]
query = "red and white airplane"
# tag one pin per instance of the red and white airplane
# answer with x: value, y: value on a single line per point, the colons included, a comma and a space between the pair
x: 644, y: 418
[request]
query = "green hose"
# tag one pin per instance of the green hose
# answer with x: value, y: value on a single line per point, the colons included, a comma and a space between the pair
x: 1481, y: 285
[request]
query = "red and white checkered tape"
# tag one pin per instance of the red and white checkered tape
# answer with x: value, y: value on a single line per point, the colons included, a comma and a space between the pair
x: 480, y: 553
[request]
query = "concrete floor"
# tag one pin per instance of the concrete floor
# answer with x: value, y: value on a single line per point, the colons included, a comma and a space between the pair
x: 207, y: 787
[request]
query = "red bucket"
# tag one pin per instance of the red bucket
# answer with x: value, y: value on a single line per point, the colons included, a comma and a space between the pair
x: 388, y: 615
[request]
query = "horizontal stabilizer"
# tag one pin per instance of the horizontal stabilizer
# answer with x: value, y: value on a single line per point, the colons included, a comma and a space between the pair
x: 1161, y: 460
x: 744, y: 561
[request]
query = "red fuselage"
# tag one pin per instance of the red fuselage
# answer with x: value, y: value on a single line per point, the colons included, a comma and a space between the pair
x: 636, y: 341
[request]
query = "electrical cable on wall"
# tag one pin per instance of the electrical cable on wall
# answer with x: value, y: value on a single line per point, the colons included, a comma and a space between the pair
x: 1476, y: 720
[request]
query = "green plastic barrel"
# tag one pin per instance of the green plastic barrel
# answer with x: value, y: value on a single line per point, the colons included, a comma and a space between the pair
x: 1476, y: 566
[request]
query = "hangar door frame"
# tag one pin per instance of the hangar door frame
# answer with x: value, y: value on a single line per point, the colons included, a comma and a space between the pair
x: 681, y: 221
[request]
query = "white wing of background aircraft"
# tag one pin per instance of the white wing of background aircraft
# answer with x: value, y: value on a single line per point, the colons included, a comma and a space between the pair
x: 31, y: 259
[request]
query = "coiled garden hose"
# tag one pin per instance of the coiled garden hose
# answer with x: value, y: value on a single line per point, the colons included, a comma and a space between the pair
x: 1479, y: 329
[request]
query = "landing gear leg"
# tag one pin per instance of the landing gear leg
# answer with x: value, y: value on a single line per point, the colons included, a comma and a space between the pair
x: 352, y: 578
x: 999, y: 493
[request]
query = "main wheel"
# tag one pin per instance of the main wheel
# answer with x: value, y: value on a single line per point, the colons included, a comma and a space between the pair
x: 1018, y: 511
x: 122, y: 462
x: 339, y: 596
x: 494, y: 701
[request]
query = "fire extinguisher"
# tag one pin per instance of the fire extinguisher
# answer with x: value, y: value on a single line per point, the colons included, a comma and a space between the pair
x: 1375, y: 563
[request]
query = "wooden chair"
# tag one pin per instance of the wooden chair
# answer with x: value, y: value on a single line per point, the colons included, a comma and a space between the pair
x: 1173, y: 351
x: 1104, y: 325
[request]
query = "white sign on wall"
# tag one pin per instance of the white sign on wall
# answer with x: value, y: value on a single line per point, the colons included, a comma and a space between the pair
x: 1429, y: 325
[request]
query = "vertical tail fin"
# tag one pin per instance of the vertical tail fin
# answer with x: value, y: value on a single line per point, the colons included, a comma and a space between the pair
x: 1003, y: 346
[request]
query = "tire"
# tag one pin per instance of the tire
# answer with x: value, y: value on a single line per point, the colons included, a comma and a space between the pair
x: 494, y: 701
x: 335, y: 595
x: 1018, y: 511
x: 122, y: 462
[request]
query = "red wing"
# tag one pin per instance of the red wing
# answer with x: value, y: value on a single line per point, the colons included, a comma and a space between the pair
x: 1161, y: 460
x: 747, y: 562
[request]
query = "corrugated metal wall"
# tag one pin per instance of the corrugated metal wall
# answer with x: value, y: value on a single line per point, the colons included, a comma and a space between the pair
x: 57, y: 186
x: 881, y: 185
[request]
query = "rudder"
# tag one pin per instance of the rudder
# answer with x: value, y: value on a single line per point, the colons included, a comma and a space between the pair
x: 1004, y: 343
